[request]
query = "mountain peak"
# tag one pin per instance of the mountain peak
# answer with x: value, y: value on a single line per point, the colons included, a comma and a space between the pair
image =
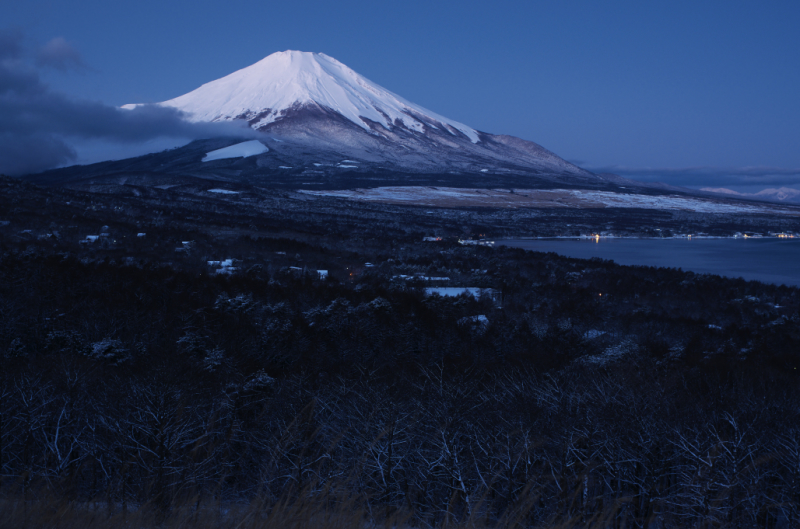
x: 316, y: 112
x: 263, y: 93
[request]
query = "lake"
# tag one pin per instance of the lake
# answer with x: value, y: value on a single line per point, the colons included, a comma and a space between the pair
x: 768, y: 260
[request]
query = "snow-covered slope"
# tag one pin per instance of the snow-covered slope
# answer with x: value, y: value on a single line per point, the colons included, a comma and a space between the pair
x: 264, y: 92
x: 240, y: 150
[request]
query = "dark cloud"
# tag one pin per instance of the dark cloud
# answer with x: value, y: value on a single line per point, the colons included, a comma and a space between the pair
x: 37, y: 123
x: 61, y: 55
x: 710, y: 176
x: 17, y: 80
x: 32, y: 153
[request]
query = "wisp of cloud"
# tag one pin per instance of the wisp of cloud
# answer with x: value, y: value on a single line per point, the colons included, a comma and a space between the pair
x: 61, y: 55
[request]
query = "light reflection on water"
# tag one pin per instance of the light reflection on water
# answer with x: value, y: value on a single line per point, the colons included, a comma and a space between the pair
x: 768, y: 260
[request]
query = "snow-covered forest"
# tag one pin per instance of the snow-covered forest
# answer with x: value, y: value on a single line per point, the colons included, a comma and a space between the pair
x: 672, y: 396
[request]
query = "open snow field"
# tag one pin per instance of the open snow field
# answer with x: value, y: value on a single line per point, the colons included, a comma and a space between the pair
x: 550, y: 198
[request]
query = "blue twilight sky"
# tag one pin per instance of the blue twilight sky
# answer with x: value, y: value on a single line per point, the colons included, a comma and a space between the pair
x: 698, y: 93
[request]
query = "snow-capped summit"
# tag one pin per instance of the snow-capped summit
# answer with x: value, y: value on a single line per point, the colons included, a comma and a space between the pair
x: 263, y: 93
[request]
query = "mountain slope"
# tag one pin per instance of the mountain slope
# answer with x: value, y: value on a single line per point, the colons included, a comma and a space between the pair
x: 294, y: 165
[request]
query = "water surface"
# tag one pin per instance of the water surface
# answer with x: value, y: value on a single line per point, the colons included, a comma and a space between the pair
x: 768, y: 260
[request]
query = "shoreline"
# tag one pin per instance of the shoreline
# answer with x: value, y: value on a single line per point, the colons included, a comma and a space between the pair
x: 591, y: 238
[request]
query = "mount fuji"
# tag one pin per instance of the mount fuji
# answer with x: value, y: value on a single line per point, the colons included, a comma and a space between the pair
x: 319, y: 123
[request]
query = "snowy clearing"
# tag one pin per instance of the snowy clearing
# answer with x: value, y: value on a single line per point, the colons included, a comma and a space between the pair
x: 240, y: 150
x: 223, y: 191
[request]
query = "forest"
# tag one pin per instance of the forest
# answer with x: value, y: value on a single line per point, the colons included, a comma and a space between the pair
x: 142, y: 386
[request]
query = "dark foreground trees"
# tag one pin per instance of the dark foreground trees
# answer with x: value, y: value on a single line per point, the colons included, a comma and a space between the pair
x: 629, y: 444
x: 671, y: 402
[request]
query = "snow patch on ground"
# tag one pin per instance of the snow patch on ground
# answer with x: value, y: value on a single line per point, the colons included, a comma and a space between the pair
x: 240, y: 150
x: 223, y: 191
x: 612, y: 354
x: 480, y: 318
x: 592, y: 334
x: 225, y: 266
x: 475, y: 292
